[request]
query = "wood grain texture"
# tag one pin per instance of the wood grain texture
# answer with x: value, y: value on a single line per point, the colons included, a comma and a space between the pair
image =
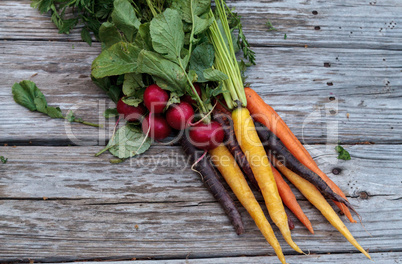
x: 385, y: 258
x: 357, y: 24
x: 91, y: 208
x: 356, y: 98
x: 162, y: 173
x: 336, y: 77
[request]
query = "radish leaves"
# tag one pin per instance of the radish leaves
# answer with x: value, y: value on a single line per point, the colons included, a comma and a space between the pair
x: 119, y: 59
x: 127, y: 142
x: 27, y: 94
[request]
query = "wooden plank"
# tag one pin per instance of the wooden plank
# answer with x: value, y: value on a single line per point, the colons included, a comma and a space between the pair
x: 385, y: 258
x: 357, y: 24
x: 92, y: 207
x: 63, y: 75
x: 67, y: 230
x: 162, y: 173
x: 300, y: 83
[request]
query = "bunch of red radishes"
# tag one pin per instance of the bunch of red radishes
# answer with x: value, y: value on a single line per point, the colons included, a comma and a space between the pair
x: 158, y: 123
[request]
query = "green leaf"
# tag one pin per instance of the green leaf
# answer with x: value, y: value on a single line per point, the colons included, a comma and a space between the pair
x: 3, y: 159
x: 174, y: 99
x: 201, y: 59
x: 42, y: 5
x: 86, y: 36
x: 143, y: 39
x: 343, y: 154
x: 132, y: 83
x: 167, y: 34
x: 67, y: 25
x: 187, y: 8
x: 54, y: 112
x: 128, y: 142
x: 119, y: 59
x: 41, y: 104
x: 270, y: 26
x: 201, y: 24
x: 25, y: 92
x: 168, y: 75
x: 103, y: 83
x: 218, y: 90
x: 110, y: 112
x: 109, y: 35
x: 125, y: 19
x: 214, y: 75
x: 70, y: 116
x: 107, y: 84
x: 192, y: 75
x: 132, y: 101
x: 114, y: 93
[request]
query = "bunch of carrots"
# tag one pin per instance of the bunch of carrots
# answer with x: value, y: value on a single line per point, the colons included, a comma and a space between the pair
x: 255, y: 139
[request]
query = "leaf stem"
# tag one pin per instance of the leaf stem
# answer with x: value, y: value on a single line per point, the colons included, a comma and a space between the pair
x: 151, y: 7
x: 192, y: 31
x: 87, y: 123
x: 111, y: 139
x: 203, y: 109
x: 103, y: 150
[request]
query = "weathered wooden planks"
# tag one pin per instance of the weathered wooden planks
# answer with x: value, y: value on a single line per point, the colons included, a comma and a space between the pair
x: 325, y: 95
x: 162, y: 173
x: 91, y: 207
x: 357, y: 24
x: 386, y: 258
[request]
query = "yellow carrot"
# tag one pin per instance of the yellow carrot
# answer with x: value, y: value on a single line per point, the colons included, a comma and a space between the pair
x: 253, y: 149
x: 315, y: 197
x: 233, y: 175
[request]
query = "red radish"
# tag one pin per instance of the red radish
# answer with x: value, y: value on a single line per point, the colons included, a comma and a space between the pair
x: 207, y: 136
x: 187, y: 98
x: 130, y: 113
x: 180, y: 115
x: 155, y: 99
x: 159, y: 127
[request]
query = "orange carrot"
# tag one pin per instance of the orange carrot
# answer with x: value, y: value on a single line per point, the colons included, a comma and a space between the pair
x: 266, y: 115
x: 289, y: 199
